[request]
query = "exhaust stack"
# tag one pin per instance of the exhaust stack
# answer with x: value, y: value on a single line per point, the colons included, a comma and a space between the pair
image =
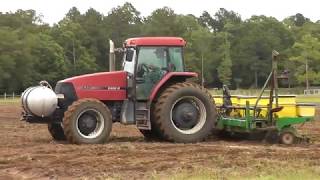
x: 112, y: 57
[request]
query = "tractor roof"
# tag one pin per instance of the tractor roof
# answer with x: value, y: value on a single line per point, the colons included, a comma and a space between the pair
x: 155, y: 41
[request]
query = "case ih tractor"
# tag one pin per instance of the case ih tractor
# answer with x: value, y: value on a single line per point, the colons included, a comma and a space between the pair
x: 152, y: 91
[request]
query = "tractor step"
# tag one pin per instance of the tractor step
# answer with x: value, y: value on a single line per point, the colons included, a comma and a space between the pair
x: 143, y: 116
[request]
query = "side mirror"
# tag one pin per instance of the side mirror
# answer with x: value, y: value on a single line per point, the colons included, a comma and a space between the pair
x: 129, y: 55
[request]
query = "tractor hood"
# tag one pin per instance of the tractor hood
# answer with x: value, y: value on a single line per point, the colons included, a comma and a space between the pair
x: 102, y: 86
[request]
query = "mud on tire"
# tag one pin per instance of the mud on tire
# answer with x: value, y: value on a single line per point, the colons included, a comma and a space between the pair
x: 184, y: 112
x: 87, y: 121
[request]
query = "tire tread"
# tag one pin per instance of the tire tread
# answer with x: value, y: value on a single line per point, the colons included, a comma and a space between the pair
x: 160, y: 105
x: 67, y: 119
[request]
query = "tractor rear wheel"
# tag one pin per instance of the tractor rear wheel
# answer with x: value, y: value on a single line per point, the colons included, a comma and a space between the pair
x: 56, y: 131
x: 87, y: 121
x: 184, y: 112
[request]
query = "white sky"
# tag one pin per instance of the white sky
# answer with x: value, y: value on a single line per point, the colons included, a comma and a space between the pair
x: 54, y: 10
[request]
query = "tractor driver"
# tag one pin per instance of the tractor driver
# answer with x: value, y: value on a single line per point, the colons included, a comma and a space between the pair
x: 152, y: 63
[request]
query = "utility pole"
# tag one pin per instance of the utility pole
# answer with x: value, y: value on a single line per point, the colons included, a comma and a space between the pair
x: 275, y: 55
x: 202, y: 75
x: 74, y: 57
x: 307, y: 78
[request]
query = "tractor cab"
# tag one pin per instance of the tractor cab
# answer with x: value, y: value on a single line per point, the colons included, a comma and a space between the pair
x: 148, y: 60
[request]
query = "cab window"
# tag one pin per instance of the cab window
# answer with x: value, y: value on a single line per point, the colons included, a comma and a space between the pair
x: 154, y: 56
x: 176, y: 61
x: 151, y: 59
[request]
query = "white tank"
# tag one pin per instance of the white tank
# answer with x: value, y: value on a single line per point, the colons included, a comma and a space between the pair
x: 40, y: 101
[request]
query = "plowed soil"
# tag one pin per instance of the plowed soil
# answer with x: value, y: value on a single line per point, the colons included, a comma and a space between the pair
x: 27, y: 151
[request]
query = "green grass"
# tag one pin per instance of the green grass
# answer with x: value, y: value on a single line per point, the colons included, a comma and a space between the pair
x: 266, y: 173
x: 10, y: 101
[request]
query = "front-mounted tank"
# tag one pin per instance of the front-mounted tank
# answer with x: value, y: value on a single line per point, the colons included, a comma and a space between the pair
x: 39, y: 100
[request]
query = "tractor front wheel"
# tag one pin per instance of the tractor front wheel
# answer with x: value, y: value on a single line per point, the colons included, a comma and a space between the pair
x: 184, y: 112
x: 87, y: 121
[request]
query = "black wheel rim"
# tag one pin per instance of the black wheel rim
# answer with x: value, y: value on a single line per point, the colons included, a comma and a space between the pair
x: 188, y: 114
x: 90, y: 123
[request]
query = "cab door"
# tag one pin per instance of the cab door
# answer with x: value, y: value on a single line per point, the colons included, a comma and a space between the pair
x: 152, y: 65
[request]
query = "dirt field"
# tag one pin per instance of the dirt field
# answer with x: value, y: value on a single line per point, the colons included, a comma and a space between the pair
x: 28, y: 152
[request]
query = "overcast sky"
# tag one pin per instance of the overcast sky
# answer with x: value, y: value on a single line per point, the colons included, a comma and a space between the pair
x: 54, y: 10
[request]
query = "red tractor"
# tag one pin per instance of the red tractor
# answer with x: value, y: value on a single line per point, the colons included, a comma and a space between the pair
x: 152, y: 91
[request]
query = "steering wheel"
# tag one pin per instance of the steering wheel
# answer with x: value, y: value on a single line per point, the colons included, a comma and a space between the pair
x: 143, y: 68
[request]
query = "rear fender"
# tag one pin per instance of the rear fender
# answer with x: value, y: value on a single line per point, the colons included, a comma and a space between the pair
x: 181, y: 76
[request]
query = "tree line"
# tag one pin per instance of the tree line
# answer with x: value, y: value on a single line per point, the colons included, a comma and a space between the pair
x: 234, y: 51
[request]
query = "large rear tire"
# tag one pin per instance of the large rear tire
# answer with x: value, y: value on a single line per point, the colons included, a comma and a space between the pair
x: 184, y: 112
x: 87, y: 121
x: 56, y: 131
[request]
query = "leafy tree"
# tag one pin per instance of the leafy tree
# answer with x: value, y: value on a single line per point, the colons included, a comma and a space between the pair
x: 48, y: 59
x: 161, y: 22
x: 17, y: 37
x: 121, y: 23
x: 9, y: 42
x: 307, y: 53
x: 234, y: 51
x: 251, y: 46
x: 97, y: 37
x: 224, y: 69
x: 296, y: 20
x: 206, y: 20
x: 223, y: 17
x: 71, y: 36
x: 73, y: 15
x: 219, y: 20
